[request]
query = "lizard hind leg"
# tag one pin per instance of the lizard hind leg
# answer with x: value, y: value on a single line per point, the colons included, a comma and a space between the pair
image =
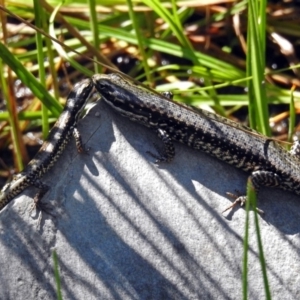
x: 258, y: 178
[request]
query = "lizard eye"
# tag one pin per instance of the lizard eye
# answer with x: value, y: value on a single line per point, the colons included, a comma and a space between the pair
x: 100, y: 85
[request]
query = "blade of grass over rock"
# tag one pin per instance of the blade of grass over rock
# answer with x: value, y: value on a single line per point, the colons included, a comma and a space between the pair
x: 246, y: 243
x: 57, y: 275
x: 252, y: 202
x: 260, y: 247
x: 258, y: 110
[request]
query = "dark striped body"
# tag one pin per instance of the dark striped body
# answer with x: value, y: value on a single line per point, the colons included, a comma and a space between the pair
x: 222, y: 138
x: 53, y: 146
x: 266, y: 161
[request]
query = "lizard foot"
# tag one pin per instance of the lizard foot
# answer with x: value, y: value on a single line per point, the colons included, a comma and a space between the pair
x: 238, y: 199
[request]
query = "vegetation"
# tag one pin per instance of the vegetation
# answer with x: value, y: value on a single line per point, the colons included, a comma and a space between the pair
x: 220, y: 54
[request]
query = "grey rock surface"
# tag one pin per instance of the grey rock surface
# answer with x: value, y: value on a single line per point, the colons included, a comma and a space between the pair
x: 125, y: 228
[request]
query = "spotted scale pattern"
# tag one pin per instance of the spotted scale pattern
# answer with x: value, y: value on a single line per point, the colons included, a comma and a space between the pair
x: 52, y: 148
x: 266, y: 161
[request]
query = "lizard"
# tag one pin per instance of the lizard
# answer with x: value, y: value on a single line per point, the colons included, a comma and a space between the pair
x: 267, y: 162
x: 52, y: 148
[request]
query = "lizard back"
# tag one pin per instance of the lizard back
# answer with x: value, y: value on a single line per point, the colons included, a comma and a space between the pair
x: 222, y: 138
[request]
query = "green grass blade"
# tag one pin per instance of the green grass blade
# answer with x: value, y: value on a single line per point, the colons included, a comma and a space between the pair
x: 39, y: 17
x: 292, y: 120
x: 95, y: 32
x: 256, y: 62
x: 57, y: 276
x: 261, y: 256
x: 252, y: 201
x: 171, y: 48
x: 138, y: 34
x: 246, y: 241
x: 11, y: 117
x: 29, y: 80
